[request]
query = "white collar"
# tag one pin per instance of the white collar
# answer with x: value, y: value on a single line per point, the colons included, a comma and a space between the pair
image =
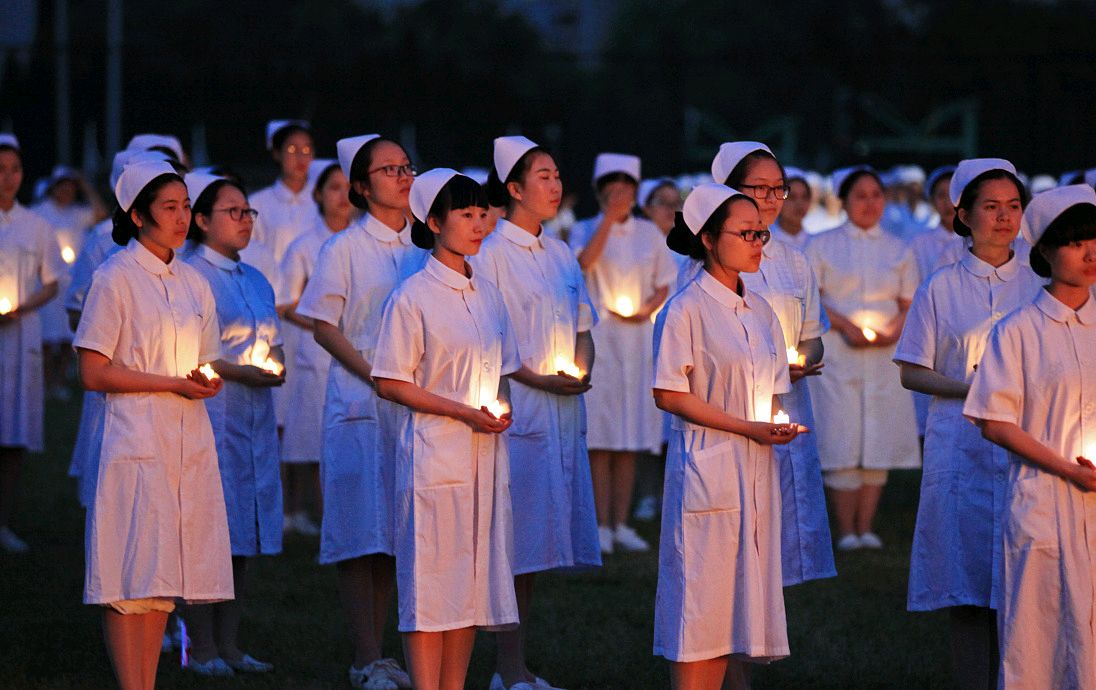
x: 447, y: 276
x: 217, y: 259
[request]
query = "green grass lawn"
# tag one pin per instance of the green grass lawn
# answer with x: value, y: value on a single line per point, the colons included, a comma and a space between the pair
x: 589, y: 631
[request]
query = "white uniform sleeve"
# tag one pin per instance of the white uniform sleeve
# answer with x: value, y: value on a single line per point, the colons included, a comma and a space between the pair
x: 328, y: 288
x: 997, y: 391
x: 266, y: 290
x: 783, y: 381
x: 587, y: 315
x: 210, y: 349
x: 664, y: 272
x: 292, y: 276
x: 511, y: 358
x: 52, y: 266
x: 917, y: 345
x: 101, y: 322
x: 908, y: 275
x: 400, y: 341
x: 815, y: 322
x: 673, y: 349
x: 818, y: 264
x: 580, y: 235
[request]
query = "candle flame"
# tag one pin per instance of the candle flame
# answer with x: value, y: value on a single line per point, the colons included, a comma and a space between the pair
x: 624, y: 306
x: 781, y: 417
x: 497, y: 408
x: 67, y: 254
x: 568, y: 367
x: 5, y: 305
x: 272, y: 366
x: 1090, y: 451
x: 795, y: 358
x: 869, y: 334
x: 208, y: 372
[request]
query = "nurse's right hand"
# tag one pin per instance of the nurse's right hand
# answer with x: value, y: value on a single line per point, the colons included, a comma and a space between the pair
x: 773, y: 434
x: 484, y: 422
x: 562, y: 384
x: 195, y: 390
x: 1084, y: 475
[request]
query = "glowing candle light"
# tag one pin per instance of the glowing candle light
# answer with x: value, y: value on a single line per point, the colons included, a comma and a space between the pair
x: 568, y: 367
x: 272, y: 366
x: 1090, y: 450
x: 781, y: 417
x: 67, y: 254
x: 795, y: 358
x: 5, y: 306
x: 497, y: 408
x: 869, y: 334
x: 208, y: 372
x: 624, y: 306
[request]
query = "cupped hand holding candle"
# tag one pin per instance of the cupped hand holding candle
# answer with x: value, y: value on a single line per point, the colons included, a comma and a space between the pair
x: 6, y: 307
x: 869, y: 334
x: 624, y: 306
x: 208, y: 372
x: 781, y: 417
x: 497, y: 408
x: 795, y: 358
x: 566, y: 366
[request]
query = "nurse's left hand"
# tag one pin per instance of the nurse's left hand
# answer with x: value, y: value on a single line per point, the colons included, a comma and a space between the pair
x: 785, y: 433
x: 798, y: 371
x: 9, y: 318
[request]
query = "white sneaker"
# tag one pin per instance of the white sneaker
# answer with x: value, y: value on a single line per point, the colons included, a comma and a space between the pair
x: 12, y: 543
x: 626, y: 538
x: 849, y: 542
x: 870, y: 540
x: 289, y: 523
x: 357, y: 677
x: 646, y: 509
x: 386, y: 674
x: 305, y: 525
x: 605, y: 536
x: 496, y: 684
x: 215, y: 667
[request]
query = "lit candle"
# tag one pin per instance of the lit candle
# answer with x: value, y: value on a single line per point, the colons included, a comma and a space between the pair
x: 272, y: 366
x: 67, y: 254
x: 869, y: 334
x: 208, y: 372
x: 568, y: 367
x: 497, y: 408
x: 624, y: 306
x: 1090, y: 451
x: 5, y: 306
x: 795, y: 358
x: 781, y: 417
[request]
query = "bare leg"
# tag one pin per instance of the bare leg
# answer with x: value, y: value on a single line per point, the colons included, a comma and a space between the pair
x: 226, y: 615
x: 739, y: 675
x: 511, y: 663
x: 974, y: 655
x: 355, y: 582
x: 866, y: 507
x: 623, y: 471
x: 456, y: 652
x: 602, y: 480
x: 698, y: 675
x: 384, y: 586
x: 423, y: 652
x: 11, y: 465
x: 126, y: 645
x: 153, y: 636
x: 844, y: 510
x: 289, y: 500
x: 199, y: 631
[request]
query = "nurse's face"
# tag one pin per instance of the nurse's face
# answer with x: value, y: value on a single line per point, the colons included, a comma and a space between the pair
x: 1073, y: 264
x: 661, y: 206
x: 463, y: 230
x: 798, y: 203
x: 384, y: 191
x: 766, y: 172
x: 865, y: 202
x: 540, y: 189
x: 942, y: 202
x: 11, y: 176
x: 728, y: 250
x: 994, y: 219
x: 223, y: 233
x: 170, y: 220
x: 333, y: 195
x: 64, y: 193
x: 295, y: 155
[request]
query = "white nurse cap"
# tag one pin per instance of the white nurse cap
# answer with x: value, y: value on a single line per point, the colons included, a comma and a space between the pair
x: 838, y: 177
x: 1046, y: 207
x: 8, y: 139
x: 910, y: 174
x: 937, y: 175
x: 146, y: 141
x: 702, y: 203
x: 793, y: 173
x: 127, y: 156
x: 315, y: 169
x: 508, y: 151
x: 425, y: 188
x: 971, y: 168
x: 348, y: 148
x: 477, y: 174
x: 1090, y: 177
x: 730, y: 154
x: 609, y: 163
x: 196, y: 183
x: 135, y: 177
x: 647, y: 187
x: 275, y: 126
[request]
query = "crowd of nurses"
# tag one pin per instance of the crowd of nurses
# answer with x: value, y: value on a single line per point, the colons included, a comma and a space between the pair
x: 411, y: 368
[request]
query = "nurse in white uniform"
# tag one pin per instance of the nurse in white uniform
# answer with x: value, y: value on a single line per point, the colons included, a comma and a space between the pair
x: 719, y: 365
x: 355, y: 273
x: 157, y: 529
x: 555, y: 524
x: 786, y: 281
x: 30, y: 266
x: 789, y: 222
x: 303, y: 434
x: 866, y: 422
x: 444, y: 351
x: 1033, y: 394
x: 956, y: 545
x: 629, y: 274
x: 242, y: 415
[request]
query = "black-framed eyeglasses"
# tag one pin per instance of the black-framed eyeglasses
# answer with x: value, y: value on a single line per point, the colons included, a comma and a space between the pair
x: 237, y: 213
x: 749, y: 236
x: 396, y: 170
x: 762, y: 191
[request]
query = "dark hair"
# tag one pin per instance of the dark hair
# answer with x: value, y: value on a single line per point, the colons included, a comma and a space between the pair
x: 321, y: 181
x: 459, y: 192
x: 124, y: 227
x: 497, y: 192
x: 17, y: 152
x: 1076, y: 223
x: 204, y: 205
x: 853, y: 178
x: 662, y: 184
x: 738, y: 175
x: 282, y: 134
x: 359, y: 170
x: 974, y: 187
x: 605, y: 180
x: 944, y: 177
x: 166, y: 151
x: 801, y: 181
x: 681, y: 238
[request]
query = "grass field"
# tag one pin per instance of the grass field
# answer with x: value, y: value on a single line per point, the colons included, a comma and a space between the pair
x: 589, y: 631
